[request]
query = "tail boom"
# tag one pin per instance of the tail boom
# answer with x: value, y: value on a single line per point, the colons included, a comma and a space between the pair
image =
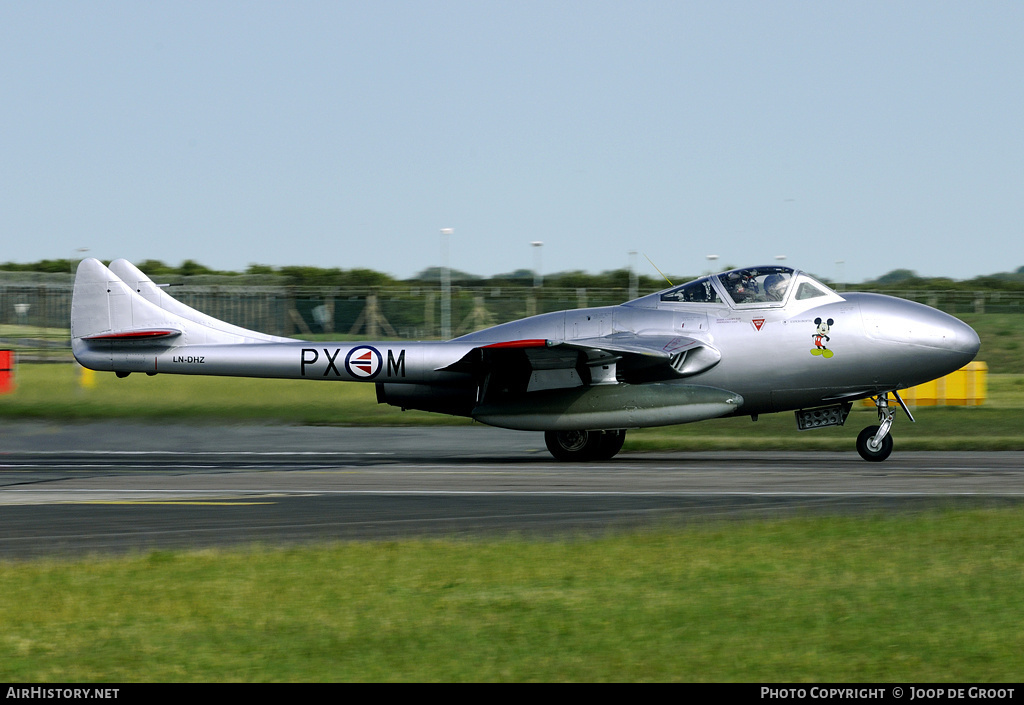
x: 348, y: 362
x: 132, y: 326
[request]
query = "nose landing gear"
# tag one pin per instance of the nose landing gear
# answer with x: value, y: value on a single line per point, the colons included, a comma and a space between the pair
x: 874, y: 443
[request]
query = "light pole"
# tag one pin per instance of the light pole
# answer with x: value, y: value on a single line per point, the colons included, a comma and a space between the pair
x: 633, y: 287
x: 711, y: 263
x: 446, y: 286
x: 538, y: 277
x: 77, y: 257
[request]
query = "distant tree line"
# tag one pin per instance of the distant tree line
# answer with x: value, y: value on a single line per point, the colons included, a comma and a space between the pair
x: 612, y: 279
x: 909, y: 279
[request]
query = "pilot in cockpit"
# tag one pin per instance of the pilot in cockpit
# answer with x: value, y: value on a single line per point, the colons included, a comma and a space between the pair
x: 742, y: 287
x: 774, y: 287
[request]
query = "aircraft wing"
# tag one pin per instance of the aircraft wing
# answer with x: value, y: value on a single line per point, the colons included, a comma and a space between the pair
x: 683, y: 355
x: 615, y: 381
x: 636, y: 357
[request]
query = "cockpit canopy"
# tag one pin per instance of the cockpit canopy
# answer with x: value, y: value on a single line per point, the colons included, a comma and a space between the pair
x: 753, y: 287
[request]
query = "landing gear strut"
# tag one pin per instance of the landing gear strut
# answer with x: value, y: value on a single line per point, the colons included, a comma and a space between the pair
x: 583, y: 446
x: 874, y: 443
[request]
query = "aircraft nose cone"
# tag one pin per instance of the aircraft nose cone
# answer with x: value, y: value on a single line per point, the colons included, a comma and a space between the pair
x: 935, y: 342
x: 901, y: 321
x: 946, y: 334
x: 963, y: 339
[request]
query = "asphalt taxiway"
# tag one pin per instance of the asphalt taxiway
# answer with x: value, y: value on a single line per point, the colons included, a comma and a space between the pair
x: 73, y: 489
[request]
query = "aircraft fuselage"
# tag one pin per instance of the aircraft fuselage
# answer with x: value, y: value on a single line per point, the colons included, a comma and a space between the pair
x: 749, y: 341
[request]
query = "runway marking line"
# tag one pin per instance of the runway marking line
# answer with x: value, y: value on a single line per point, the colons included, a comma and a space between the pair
x: 188, y: 502
x: 279, y: 492
x: 345, y: 453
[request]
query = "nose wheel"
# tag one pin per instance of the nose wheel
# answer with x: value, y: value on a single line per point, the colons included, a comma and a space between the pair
x: 871, y: 448
x: 874, y: 443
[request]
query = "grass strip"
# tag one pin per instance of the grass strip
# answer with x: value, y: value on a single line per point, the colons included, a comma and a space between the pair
x: 931, y: 597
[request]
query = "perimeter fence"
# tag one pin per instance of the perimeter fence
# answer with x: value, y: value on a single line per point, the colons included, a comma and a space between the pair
x: 35, y: 315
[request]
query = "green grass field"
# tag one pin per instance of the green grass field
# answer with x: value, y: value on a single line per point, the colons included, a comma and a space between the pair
x: 932, y: 597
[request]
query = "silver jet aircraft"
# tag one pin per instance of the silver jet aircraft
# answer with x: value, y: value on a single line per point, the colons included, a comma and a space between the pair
x: 745, y: 342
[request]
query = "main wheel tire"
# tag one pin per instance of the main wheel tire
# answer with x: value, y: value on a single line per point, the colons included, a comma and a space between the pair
x: 584, y: 446
x: 864, y: 447
x: 572, y: 446
x: 609, y: 443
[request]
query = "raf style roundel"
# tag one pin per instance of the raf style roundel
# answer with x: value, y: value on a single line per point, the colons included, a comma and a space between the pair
x: 363, y: 362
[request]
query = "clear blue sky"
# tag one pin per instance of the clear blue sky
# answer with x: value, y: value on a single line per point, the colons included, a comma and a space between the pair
x: 347, y: 134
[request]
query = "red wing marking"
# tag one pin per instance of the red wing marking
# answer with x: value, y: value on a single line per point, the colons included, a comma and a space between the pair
x: 532, y: 343
x: 132, y: 334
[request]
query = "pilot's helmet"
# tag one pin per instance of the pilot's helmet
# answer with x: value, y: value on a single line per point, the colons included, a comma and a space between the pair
x: 775, y: 287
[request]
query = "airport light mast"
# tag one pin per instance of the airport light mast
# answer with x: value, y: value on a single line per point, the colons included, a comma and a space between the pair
x: 446, y: 286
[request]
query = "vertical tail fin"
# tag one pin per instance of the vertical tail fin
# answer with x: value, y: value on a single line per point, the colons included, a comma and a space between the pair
x: 104, y: 307
x: 144, y: 287
x: 109, y: 316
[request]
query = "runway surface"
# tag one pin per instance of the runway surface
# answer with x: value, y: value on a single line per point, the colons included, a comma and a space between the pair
x: 74, y: 489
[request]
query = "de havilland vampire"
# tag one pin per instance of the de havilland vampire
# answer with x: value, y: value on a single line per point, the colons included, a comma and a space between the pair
x: 745, y: 342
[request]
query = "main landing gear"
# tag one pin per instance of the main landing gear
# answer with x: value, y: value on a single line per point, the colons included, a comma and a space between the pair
x: 583, y: 446
x: 874, y: 443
